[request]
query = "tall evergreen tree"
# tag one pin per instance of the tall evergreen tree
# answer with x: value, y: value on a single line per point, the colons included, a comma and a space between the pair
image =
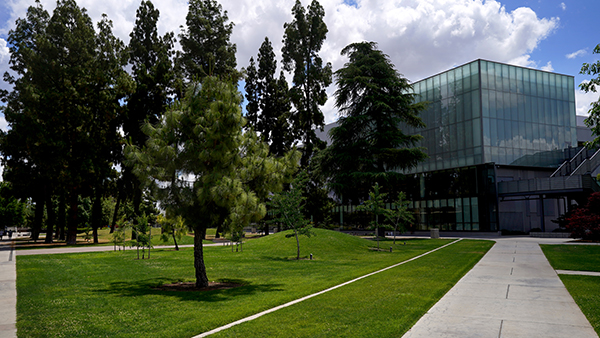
x: 63, y: 101
x: 368, y: 146
x: 268, y: 108
x: 150, y: 56
x: 302, y: 41
x: 205, y: 42
x: 206, y: 164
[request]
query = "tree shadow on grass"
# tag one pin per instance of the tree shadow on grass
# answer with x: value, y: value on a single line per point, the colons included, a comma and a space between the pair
x: 153, y: 287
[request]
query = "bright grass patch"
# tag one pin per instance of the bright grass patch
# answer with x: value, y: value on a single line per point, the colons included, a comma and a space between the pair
x: 113, y: 294
x: 573, y: 257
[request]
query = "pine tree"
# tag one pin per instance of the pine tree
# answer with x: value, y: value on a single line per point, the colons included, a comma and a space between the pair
x: 206, y: 165
x: 368, y: 145
x: 302, y: 41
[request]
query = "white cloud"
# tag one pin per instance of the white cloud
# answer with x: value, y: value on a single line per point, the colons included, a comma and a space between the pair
x: 576, y: 54
x: 422, y: 37
x: 563, y: 6
x: 548, y: 67
x: 583, y: 100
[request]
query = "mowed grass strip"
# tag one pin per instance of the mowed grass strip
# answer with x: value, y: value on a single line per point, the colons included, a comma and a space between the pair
x: 387, y: 304
x: 113, y: 294
x: 573, y: 257
x: 585, y: 290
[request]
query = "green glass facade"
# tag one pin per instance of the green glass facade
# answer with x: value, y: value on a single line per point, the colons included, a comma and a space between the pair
x: 480, y: 115
x: 485, y: 112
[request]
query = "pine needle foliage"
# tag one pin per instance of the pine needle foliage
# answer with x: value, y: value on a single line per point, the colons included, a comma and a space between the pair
x: 202, y: 167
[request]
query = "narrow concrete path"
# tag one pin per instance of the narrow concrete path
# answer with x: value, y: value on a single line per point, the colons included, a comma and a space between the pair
x: 8, y: 291
x: 512, y: 292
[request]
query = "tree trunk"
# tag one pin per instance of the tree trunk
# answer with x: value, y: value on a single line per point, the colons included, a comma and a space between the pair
x: 51, y: 217
x: 201, y: 279
x: 62, y: 216
x: 116, y: 212
x: 38, y: 216
x: 266, y: 228
x: 175, y: 241
x: 96, y: 213
x: 72, y: 222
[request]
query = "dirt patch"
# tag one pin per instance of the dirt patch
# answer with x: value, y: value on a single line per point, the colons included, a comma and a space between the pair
x: 191, y: 286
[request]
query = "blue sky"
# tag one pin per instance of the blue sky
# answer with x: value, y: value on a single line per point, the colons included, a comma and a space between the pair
x: 422, y: 37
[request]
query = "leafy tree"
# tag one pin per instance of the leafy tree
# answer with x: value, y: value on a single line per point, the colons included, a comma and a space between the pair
x: 368, y: 145
x: 585, y: 222
x: 198, y: 162
x: 205, y: 42
x: 376, y: 206
x: 174, y: 227
x: 593, y: 120
x: 143, y: 235
x: 302, y: 41
x: 118, y: 236
x: 399, y: 215
x: 288, y: 209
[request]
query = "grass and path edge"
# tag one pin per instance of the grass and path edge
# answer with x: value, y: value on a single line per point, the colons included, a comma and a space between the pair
x: 260, y: 314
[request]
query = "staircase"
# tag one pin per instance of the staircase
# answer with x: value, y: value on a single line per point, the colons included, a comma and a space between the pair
x: 584, y: 162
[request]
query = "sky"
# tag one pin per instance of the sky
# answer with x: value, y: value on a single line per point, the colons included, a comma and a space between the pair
x: 421, y: 37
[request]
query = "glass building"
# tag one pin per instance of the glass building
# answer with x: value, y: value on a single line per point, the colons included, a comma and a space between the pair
x: 486, y: 120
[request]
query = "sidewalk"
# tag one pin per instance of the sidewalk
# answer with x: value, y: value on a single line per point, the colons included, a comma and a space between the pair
x: 512, y: 292
x: 8, y: 291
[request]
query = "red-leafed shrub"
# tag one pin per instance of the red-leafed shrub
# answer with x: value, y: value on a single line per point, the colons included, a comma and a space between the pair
x: 585, y: 222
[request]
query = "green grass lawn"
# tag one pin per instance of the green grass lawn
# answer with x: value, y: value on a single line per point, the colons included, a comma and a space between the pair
x: 111, y: 293
x: 573, y: 257
x: 585, y: 290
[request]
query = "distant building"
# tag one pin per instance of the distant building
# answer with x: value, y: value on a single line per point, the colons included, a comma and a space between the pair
x: 503, y: 150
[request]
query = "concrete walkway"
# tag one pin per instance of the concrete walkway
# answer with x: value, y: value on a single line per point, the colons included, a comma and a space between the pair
x: 8, y: 291
x: 512, y: 292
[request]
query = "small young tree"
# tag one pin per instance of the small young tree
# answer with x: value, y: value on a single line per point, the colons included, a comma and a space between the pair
x: 143, y: 236
x: 173, y: 227
x: 399, y: 216
x: 288, y: 209
x: 118, y: 236
x: 376, y: 206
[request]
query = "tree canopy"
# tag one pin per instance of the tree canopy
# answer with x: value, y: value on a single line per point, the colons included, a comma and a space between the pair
x: 302, y: 41
x: 593, y: 120
x: 201, y: 165
x: 205, y: 42
x: 368, y: 145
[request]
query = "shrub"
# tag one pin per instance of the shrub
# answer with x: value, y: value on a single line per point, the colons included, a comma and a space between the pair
x: 584, y: 223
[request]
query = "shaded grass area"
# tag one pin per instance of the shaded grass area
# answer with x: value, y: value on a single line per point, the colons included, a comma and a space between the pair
x: 585, y: 290
x: 387, y: 304
x: 111, y: 293
x: 573, y: 257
